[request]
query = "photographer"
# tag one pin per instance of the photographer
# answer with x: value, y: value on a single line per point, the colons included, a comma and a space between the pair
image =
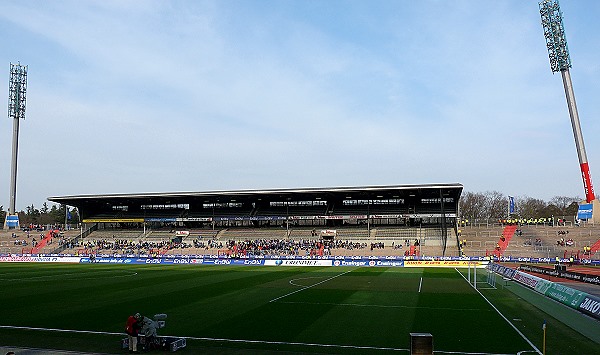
x: 132, y: 328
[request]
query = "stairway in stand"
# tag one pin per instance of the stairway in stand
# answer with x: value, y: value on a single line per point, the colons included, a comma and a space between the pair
x: 42, y: 243
x: 507, y: 234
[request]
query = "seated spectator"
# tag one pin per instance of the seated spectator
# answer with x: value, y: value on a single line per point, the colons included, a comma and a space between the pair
x: 569, y: 242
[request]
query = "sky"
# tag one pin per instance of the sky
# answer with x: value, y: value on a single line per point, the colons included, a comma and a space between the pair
x: 171, y: 96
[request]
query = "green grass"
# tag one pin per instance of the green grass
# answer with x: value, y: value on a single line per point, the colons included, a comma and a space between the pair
x: 270, y: 309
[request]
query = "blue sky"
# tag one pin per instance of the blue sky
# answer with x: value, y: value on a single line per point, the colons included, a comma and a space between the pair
x: 161, y: 96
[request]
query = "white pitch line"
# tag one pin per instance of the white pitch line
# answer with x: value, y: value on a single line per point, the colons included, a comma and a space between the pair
x: 299, y: 343
x: 302, y: 278
x: 29, y: 350
x: 420, y: 284
x: 213, y: 339
x: 88, y: 276
x: 502, y: 315
x: 307, y: 287
x: 57, y: 330
x: 384, y: 306
x: 359, y: 347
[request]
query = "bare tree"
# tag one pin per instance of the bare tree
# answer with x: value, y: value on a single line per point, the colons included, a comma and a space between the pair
x: 528, y: 207
x: 472, y: 206
x: 563, y: 203
x: 497, y: 205
x: 493, y: 205
x: 483, y: 206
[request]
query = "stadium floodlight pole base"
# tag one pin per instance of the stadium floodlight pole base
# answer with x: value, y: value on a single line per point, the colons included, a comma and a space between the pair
x: 11, y: 221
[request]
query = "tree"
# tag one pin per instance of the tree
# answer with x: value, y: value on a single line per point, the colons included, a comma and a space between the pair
x: 492, y: 205
x: 572, y: 209
x: 486, y: 205
x: 31, y: 215
x: 57, y: 214
x: 563, y: 205
x: 528, y: 207
x: 44, y: 217
x: 472, y: 206
x: 497, y: 205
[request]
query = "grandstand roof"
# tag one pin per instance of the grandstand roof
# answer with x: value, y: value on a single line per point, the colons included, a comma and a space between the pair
x: 298, y: 194
x: 423, y: 198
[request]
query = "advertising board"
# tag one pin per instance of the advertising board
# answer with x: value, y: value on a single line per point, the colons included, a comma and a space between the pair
x: 565, y: 295
x: 594, y: 279
x: 585, y: 211
x: 113, y: 220
x: 590, y: 305
x: 443, y: 263
x: 542, y: 286
x: 286, y: 262
x: 502, y: 270
x: 38, y: 259
x: 526, y: 279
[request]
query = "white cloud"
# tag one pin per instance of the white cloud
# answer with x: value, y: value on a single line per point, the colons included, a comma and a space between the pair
x: 128, y: 96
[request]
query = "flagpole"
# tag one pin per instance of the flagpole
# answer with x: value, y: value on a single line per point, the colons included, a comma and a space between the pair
x: 544, y: 342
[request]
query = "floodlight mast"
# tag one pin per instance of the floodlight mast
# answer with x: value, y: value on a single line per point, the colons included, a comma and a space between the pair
x: 16, y: 110
x: 556, y: 42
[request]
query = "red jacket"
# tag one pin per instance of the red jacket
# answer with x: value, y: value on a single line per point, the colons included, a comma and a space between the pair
x: 132, y: 327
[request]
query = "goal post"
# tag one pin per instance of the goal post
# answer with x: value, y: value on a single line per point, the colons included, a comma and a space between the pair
x: 491, y: 277
x: 479, y: 273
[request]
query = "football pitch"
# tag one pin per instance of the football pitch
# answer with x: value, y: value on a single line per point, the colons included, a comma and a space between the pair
x: 238, y: 310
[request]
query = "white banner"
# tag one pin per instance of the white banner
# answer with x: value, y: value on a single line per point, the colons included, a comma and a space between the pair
x: 328, y: 233
x: 299, y: 262
x: 39, y: 259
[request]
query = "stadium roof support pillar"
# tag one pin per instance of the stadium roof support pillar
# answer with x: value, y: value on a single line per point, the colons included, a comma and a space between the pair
x: 444, y: 229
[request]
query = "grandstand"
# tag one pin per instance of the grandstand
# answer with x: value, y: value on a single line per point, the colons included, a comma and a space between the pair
x: 22, y: 242
x: 423, y: 215
x: 534, y: 241
x: 404, y: 220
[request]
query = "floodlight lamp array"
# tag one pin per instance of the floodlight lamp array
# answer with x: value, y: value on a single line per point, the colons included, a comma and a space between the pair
x: 554, y: 32
x: 17, y: 91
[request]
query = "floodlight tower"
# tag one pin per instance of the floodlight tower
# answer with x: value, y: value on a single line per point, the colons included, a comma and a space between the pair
x: 17, y: 91
x: 554, y: 31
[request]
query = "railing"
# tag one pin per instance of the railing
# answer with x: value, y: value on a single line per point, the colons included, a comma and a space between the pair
x: 75, y: 240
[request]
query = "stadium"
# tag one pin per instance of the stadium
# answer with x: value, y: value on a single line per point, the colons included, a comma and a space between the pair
x: 372, y: 269
x: 308, y: 270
